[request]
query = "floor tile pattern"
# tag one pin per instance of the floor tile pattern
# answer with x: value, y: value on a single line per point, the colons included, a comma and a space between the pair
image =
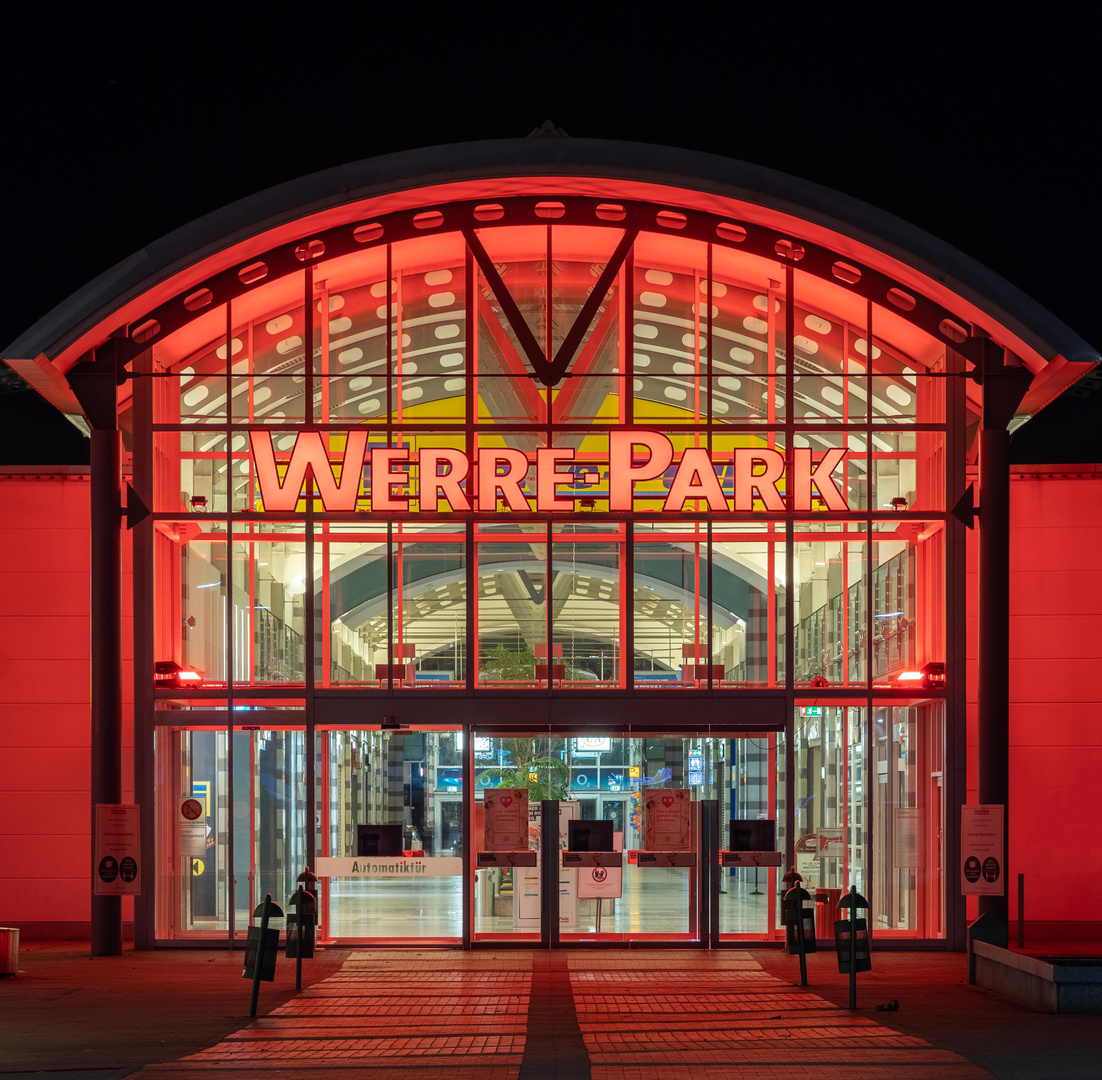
x: 637, y: 1015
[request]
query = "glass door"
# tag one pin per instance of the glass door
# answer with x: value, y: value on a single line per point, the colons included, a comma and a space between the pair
x: 654, y: 895
x: 391, y: 851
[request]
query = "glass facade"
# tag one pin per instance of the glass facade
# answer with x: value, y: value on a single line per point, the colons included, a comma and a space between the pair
x: 510, y: 473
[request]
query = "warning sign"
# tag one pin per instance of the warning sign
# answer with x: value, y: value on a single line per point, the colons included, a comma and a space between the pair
x: 601, y: 882
x: 191, y: 829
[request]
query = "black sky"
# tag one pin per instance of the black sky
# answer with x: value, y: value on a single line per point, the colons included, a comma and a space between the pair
x: 977, y: 127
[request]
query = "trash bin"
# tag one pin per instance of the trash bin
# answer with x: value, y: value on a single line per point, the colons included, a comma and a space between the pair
x: 9, y: 950
x: 826, y: 911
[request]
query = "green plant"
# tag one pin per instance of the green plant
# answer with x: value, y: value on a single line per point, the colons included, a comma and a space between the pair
x: 544, y: 777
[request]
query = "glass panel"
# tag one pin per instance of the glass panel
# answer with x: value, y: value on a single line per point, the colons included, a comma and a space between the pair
x: 430, y: 606
x: 829, y: 582
x: 587, y: 603
x: 671, y: 609
x: 269, y: 818
x: 747, y: 562
x: 908, y: 817
x: 411, y: 782
x: 353, y: 591
x: 192, y: 877
x: 830, y: 806
x: 746, y: 908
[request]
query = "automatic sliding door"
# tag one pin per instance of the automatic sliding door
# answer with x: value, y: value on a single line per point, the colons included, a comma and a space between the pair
x: 391, y: 855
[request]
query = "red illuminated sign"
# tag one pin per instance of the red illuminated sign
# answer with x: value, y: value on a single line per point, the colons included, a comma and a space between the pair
x: 499, y: 478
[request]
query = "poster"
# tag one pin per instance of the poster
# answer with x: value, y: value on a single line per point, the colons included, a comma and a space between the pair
x: 117, y: 870
x: 981, y: 850
x: 666, y: 818
x: 602, y: 882
x: 832, y: 842
x: 907, y: 848
x: 505, y: 819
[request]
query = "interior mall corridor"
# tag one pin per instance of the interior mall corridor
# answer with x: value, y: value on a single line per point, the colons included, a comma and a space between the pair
x: 508, y: 1015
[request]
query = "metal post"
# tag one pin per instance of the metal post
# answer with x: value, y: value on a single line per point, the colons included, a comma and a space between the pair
x: 1021, y: 911
x: 549, y: 874
x: 796, y: 911
x: 299, y: 908
x: 853, y: 936
x: 106, y: 659
x: 1004, y: 386
x: 255, y: 995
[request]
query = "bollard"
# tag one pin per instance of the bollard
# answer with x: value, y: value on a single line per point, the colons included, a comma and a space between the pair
x: 259, y: 947
x: 797, y: 923
x: 300, y: 926
x: 851, y: 957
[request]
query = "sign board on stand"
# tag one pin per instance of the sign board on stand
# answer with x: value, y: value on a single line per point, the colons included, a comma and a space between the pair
x: 118, y: 851
x: 981, y: 850
x: 602, y: 882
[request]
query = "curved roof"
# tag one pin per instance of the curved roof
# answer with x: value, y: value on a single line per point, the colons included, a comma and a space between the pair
x: 1052, y: 351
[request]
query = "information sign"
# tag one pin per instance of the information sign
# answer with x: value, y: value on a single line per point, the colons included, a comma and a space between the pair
x: 907, y: 837
x: 191, y: 828
x: 981, y: 850
x: 603, y: 882
x: 506, y: 819
x: 118, y: 848
x: 666, y: 814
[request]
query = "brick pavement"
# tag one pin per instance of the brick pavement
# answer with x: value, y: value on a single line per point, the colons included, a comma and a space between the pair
x: 638, y: 1014
x: 518, y: 1015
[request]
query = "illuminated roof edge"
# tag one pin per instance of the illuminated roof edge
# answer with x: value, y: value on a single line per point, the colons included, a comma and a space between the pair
x: 607, y: 159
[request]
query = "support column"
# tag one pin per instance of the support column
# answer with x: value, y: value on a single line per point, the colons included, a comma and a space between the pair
x: 94, y: 383
x: 1004, y: 386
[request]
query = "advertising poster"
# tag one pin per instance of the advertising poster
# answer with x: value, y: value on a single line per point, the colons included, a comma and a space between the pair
x: 907, y: 837
x: 118, y: 861
x: 832, y: 843
x: 666, y: 817
x: 602, y: 882
x: 506, y: 819
x: 981, y: 850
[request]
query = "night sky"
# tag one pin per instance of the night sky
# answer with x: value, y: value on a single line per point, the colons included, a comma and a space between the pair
x: 983, y: 133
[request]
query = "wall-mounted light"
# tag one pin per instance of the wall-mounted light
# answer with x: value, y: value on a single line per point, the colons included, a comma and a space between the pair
x: 198, y: 503
x: 899, y: 504
x: 931, y: 677
x: 168, y: 675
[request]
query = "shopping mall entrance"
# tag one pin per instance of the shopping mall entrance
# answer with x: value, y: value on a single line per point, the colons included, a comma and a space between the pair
x: 411, y: 783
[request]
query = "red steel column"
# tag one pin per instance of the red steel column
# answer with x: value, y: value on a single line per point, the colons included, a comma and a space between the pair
x: 1004, y: 386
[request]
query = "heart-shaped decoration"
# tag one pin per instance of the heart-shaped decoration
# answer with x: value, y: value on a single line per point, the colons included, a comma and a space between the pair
x: 507, y: 800
x: 667, y: 801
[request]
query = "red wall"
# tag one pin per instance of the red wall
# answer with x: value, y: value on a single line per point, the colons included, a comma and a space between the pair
x: 45, y: 788
x: 1055, y: 698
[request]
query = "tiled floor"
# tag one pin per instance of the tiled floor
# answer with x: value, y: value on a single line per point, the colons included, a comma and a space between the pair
x: 609, y: 1015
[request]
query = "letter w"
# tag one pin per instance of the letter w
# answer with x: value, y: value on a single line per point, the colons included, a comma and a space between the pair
x: 309, y: 455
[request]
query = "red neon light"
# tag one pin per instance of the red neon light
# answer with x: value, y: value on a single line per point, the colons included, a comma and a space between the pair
x: 622, y: 474
x: 502, y: 472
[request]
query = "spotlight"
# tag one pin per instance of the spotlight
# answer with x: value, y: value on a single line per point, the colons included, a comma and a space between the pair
x: 198, y: 503
x: 899, y: 504
x: 168, y: 675
x: 931, y: 677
